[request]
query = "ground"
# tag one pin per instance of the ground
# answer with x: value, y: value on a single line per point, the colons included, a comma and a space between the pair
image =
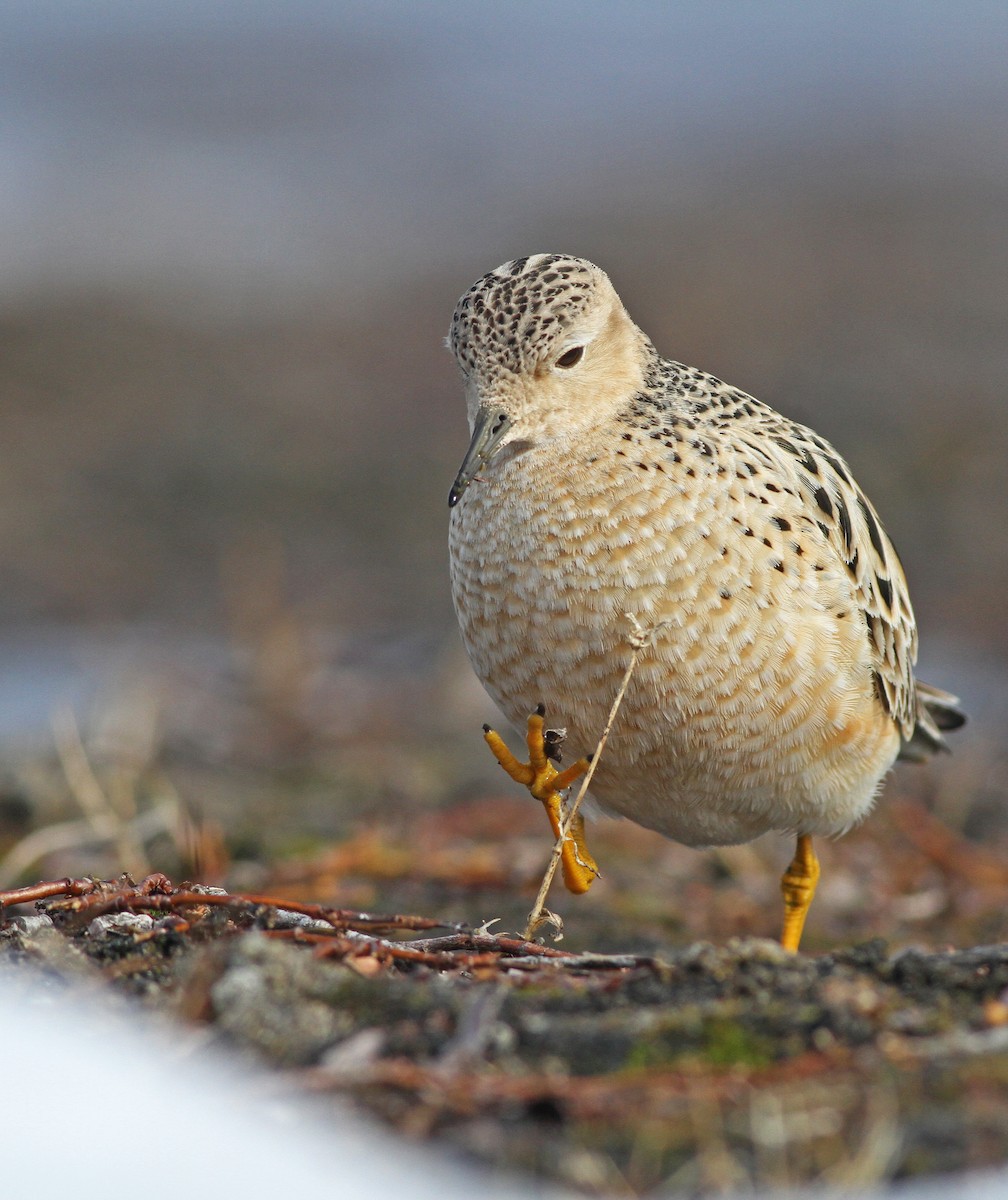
x: 659, y: 1043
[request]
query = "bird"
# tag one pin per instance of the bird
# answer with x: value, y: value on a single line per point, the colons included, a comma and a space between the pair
x: 608, y: 489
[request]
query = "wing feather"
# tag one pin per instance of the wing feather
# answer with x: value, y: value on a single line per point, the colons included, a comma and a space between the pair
x: 852, y: 527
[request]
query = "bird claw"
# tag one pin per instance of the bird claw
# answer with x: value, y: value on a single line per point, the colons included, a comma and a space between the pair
x: 546, y: 783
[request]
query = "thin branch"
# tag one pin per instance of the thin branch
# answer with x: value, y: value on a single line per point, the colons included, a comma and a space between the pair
x: 45, y: 891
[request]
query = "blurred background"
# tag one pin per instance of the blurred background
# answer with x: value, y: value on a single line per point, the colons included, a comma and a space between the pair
x: 231, y: 238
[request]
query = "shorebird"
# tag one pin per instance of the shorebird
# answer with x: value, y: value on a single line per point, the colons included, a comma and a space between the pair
x: 606, y: 488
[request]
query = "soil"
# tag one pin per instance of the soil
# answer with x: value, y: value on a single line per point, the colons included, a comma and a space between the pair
x: 704, y: 1068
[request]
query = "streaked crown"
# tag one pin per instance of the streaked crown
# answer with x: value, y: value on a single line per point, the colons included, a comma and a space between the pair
x: 516, y: 315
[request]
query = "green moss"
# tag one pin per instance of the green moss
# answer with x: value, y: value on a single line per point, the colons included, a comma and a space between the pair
x: 717, y: 1040
x: 729, y: 1043
x: 647, y: 1054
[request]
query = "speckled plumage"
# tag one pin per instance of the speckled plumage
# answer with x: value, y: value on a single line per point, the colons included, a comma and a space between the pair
x: 617, y: 485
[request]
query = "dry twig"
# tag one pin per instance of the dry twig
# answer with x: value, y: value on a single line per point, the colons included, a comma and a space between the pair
x: 639, y: 639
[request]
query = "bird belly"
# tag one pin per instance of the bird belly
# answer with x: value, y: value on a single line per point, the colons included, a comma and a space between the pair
x: 752, y: 707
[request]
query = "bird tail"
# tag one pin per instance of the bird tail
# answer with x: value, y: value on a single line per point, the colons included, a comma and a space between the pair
x: 937, y: 713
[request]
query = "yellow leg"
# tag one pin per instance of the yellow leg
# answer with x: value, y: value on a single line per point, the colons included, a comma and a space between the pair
x: 546, y: 783
x: 798, y: 885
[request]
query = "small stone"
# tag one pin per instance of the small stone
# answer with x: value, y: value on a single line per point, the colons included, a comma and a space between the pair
x: 285, y: 919
x: 124, y: 922
x: 31, y: 923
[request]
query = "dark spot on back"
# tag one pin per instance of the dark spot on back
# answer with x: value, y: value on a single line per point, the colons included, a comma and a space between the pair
x: 873, y: 530
x: 838, y: 466
x: 845, y: 523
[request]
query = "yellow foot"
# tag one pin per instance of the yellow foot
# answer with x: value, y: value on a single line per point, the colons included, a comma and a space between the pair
x: 546, y: 783
x: 798, y: 885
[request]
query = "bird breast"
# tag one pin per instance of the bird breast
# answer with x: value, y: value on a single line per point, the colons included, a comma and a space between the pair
x: 754, y: 705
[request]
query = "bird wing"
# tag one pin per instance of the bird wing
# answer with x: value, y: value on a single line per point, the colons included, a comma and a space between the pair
x: 851, y: 526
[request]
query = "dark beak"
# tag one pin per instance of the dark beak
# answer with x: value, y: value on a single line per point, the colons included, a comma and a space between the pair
x: 491, y: 425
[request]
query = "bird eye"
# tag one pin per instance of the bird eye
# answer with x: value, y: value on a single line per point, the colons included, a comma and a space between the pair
x: 571, y: 357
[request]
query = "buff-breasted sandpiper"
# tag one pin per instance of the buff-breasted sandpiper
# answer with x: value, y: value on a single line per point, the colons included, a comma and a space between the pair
x: 607, y: 488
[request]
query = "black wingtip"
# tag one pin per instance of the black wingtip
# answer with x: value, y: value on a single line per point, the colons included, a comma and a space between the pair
x: 948, y: 718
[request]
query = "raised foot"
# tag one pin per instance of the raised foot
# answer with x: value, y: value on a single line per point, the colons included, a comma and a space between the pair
x: 798, y: 886
x: 546, y: 783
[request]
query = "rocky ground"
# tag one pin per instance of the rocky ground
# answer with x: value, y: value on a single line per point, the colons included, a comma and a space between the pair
x: 377, y: 873
x: 700, y: 1067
